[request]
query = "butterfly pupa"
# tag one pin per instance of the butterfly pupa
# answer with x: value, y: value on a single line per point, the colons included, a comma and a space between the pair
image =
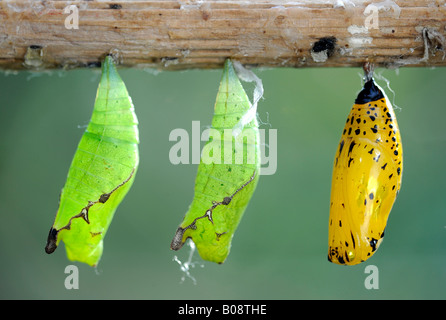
x: 366, y: 178
x: 223, y: 188
x: 101, y: 173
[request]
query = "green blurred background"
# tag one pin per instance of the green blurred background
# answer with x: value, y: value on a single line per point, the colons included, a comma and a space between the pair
x: 280, y: 248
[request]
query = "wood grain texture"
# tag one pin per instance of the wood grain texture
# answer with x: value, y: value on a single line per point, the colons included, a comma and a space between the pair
x: 202, y: 34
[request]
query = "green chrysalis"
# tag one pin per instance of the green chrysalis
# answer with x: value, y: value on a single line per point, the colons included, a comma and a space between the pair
x: 101, y: 173
x: 224, y: 186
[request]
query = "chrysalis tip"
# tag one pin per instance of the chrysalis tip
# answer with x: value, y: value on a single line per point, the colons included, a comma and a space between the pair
x: 177, y: 241
x: 51, y: 244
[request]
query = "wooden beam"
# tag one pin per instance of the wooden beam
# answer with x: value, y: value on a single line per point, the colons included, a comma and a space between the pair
x: 186, y: 34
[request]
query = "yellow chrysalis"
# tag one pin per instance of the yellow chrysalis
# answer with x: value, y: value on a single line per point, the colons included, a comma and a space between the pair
x: 366, y: 178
